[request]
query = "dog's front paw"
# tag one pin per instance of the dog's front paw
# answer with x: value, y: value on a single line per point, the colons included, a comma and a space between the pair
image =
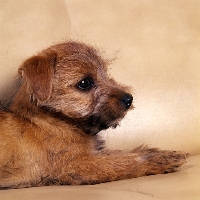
x: 161, y: 161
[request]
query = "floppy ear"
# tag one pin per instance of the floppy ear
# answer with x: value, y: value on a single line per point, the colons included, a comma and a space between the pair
x: 38, y: 72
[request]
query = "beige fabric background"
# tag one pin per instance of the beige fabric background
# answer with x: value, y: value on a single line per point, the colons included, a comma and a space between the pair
x: 157, y: 45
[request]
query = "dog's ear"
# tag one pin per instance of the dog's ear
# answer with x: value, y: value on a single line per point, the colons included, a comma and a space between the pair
x: 38, y: 72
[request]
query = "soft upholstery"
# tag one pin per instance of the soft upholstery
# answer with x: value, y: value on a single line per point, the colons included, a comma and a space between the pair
x: 157, y: 50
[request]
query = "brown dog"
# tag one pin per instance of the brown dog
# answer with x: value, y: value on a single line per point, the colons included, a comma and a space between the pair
x: 48, y: 136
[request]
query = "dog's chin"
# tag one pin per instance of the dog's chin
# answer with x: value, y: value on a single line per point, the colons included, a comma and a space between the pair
x: 94, y: 124
x: 90, y: 124
x: 93, y: 130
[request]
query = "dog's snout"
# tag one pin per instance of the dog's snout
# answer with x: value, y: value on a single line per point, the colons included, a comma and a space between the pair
x: 126, y: 100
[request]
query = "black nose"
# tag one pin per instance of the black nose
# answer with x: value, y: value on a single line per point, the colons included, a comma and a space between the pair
x: 126, y: 100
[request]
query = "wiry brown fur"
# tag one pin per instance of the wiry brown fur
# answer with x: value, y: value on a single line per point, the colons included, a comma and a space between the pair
x: 48, y: 135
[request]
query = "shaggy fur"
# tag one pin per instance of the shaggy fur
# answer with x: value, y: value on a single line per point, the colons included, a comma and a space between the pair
x: 48, y: 136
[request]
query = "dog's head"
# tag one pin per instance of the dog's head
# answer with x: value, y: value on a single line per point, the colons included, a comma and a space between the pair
x: 71, y: 79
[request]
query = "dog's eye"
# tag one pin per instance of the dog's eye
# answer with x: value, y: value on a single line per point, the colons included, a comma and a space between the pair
x: 85, y: 84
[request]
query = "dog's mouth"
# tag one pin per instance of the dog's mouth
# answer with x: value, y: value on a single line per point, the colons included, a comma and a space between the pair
x: 94, y: 124
x: 90, y: 125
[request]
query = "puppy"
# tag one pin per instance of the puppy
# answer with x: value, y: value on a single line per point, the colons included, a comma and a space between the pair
x: 48, y: 135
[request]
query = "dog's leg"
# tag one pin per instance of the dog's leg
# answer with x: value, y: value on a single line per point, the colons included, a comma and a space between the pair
x: 104, y: 168
x: 14, y: 174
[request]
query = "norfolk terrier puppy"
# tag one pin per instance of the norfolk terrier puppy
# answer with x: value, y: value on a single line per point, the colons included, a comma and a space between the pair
x: 48, y: 134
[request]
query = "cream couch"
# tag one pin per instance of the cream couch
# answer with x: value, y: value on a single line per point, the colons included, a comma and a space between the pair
x: 157, y: 45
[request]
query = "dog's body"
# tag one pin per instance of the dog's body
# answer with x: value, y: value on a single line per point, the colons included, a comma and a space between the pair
x: 48, y: 136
